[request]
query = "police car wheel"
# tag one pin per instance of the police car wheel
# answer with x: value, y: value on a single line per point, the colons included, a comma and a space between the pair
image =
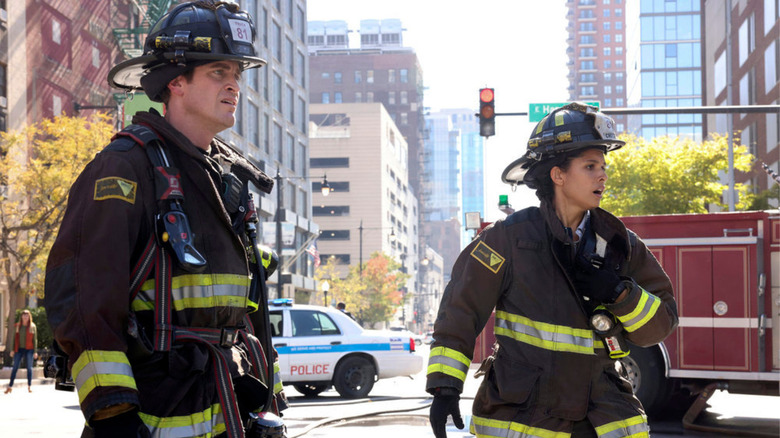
x: 309, y: 390
x: 354, y: 377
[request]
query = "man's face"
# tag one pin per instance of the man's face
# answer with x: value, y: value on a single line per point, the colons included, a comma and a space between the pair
x: 211, y: 97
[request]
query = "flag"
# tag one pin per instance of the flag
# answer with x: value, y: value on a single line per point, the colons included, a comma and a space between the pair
x: 315, y: 255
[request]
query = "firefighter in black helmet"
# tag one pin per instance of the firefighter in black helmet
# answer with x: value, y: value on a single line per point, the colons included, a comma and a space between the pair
x: 569, y: 285
x: 154, y: 284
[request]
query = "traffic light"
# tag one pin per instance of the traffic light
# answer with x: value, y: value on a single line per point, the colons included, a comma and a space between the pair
x: 487, y: 112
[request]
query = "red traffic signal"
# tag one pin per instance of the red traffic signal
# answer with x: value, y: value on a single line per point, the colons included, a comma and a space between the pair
x: 487, y: 112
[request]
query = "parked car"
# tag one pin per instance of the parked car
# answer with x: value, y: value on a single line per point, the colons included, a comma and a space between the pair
x: 406, y: 333
x: 428, y: 338
x: 321, y: 346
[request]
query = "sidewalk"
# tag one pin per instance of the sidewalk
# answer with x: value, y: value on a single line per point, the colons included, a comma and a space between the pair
x: 21, y: 377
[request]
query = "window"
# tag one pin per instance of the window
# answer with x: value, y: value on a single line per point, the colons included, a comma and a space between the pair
x: 302, y: 114
x: 619, y: 63
x: 289, y: 150
x: 771, y: 14
x: 587, y: 91
x: 607, y: 64
x: 404, y: 97
x: 586, y: 65
x: 619, y: 51
x: 607, y: 89
x: 358, y: 96
x: 278, y: 141
x: 312, y: 323
x: 404, y: 76
x: 331, y: 210
x: 771, y: 65
x: 334, y: 234
x: 250, y: 77
x: 586, y: 52
x: 339, y: 259
x: 337, y: 77
x: 335, y: 186
x: 337, y: 97
x: 607, y: 51
x: 619, y: 89
x: 619, y: 103
x: 369, y: 76
x: 618, y: 12
x: 619, y: 38
x: 606, y: 25
x: 404, y: 119
x: 607, y: 38
x: 747, y: 88
x: 56, y: 105
x: 329, y: 162
x: 289, y: 50
x: 619, y: 76
x: 586, y: 39
x: 325, y: 97
x: 56, y: 31
x: 607, y: 102
x: 618, y: 26
x: 266, y: 134
x: 607, y: 77
x: 358, y: 76
x: 253, y: 134
x: 301, y: 69
x: 325, y: 75
x: 391, y: 76
x: 369, y: 96
x: 747, y: 38
x: 606, y: 13
x: 391, y: 98
x: 276, y: 40
x: 277, y: 92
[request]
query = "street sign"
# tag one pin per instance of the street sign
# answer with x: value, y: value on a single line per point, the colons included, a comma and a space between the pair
x: 537, y: 111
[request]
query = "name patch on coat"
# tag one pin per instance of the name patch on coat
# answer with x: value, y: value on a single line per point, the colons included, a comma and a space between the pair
x: 488, y: 257
x: 115, y: 187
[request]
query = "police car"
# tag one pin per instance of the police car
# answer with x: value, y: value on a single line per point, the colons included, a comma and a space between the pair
x: 321, y: 346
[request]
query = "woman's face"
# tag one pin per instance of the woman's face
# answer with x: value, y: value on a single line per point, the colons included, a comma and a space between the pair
x: 582, y: 184
x: 25, y: 317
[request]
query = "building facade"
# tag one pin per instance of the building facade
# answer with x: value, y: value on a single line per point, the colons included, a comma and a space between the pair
x: 596, y: 50
x: 664, y: 66
x: 742, y: 48
x: 379, y: 70
x: 272, y: 131
x: 371, y: 206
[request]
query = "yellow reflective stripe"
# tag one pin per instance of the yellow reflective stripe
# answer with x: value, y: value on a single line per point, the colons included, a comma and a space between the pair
x: 488, y: 428
x: 448, y: 361
x: 544, y: 335
x: 208, y: 423
x: 99, y: 368
x: 634, y: 427
x: 645, y: 309
x: 199, y: 291
x: 277, y: 379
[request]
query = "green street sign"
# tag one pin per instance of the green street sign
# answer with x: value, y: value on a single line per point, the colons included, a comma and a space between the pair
x: 537, y: 111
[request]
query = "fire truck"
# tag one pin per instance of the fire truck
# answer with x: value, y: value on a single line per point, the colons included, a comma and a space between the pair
x: 725, y: 268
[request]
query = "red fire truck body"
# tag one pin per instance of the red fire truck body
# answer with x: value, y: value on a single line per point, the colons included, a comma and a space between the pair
x: 725, y: 268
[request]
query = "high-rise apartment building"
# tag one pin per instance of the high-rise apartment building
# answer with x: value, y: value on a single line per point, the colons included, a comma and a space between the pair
x: 596, y: 49
x: 379, y: 70
x: 742, y: 52
x: 371, y: 206
x: 664, y: 66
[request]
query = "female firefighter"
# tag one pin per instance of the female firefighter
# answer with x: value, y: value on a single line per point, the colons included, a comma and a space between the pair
x: 569, y: 284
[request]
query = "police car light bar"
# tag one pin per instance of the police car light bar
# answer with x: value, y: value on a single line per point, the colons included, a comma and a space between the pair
x: 281, y: 302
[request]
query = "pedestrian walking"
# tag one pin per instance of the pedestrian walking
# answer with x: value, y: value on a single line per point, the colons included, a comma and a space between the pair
x: 25, y: 345
x: 569, y: 285
x: 155, y: 286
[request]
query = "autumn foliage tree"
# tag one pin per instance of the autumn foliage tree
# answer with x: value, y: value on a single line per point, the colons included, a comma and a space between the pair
x: 37, y: 167
x: 373, y: 296
x: 668, y: 175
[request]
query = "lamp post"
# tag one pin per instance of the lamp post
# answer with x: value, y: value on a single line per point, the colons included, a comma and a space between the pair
x: 360, y: 253
x: 325, y: 289
x: 278, y: 217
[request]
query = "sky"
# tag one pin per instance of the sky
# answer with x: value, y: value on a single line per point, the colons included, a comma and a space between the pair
x: 517, y: 47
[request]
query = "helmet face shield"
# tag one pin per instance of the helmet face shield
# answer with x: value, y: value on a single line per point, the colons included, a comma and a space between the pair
x: 572, y: 127
x: 189, y: 35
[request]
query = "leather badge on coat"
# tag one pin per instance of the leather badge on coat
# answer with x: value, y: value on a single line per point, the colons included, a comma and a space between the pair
x: 115, y: 187
x: 488, y: 257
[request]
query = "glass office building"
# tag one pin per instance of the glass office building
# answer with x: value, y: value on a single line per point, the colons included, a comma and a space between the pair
x: 664, y: 66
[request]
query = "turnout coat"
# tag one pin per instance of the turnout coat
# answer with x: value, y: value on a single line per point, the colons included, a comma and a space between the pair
x: 107, y: 332
x: 550, y: 369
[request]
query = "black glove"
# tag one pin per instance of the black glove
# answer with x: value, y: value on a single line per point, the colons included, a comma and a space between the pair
x: 444, y: 405
x: 599, y: 285
x: 125, y: 425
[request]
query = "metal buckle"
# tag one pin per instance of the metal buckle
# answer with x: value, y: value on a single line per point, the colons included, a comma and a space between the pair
x: 227, y: 337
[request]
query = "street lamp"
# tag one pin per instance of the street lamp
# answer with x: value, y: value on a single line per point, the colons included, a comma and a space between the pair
x: 325, y: 289
x: 326, y: 189
x: 393, y: 237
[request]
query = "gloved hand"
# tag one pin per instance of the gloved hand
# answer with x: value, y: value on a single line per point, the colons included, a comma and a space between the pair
x: 445, y: 403
x: 125, y: 425
x: 600, y: 285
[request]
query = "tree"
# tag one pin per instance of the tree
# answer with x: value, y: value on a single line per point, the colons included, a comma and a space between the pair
x: 371, y: 297
x: 38, y: 165
x: 671, y: 175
